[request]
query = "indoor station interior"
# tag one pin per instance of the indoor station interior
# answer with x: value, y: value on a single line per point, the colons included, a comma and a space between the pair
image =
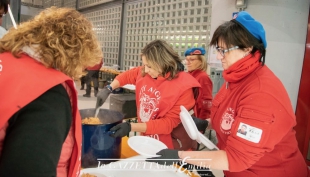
x: 125, y: 27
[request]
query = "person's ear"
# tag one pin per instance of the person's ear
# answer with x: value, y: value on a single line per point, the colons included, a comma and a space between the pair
x: 248, y: 49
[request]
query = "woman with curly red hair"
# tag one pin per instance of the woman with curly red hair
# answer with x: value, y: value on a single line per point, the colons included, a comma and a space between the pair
x: 40, y: 128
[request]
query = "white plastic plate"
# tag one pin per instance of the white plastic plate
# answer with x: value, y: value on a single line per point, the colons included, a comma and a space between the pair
x: 129, y: 87
x: 192, y: 130
x: 146, y: 146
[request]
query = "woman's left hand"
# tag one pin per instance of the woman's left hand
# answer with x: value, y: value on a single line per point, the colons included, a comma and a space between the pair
x: 121, y: 130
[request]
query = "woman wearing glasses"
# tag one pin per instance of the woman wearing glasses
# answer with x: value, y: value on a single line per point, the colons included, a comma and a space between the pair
x: 252, y: 96
x: 197, y: 67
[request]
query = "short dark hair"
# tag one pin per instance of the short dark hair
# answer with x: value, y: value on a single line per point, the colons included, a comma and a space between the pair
x: 4, y: 5
x: 233, y: 34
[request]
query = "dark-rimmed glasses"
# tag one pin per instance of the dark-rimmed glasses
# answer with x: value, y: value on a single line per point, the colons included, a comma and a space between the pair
x: 223, y: 51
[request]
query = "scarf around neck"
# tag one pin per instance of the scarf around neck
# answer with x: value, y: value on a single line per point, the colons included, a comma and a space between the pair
x: 242, y: 68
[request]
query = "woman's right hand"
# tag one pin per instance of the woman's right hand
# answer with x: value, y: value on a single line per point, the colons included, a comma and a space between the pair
x: 103, y: 95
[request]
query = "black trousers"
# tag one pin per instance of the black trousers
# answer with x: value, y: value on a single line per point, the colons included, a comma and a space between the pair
x: 92, y: 75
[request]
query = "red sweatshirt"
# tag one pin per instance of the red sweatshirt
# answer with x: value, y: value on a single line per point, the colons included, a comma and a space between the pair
x: 158, y: 101
x: 253, y: 117
x: 203, y: 104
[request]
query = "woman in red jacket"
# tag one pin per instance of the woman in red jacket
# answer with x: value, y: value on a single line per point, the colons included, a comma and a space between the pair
x: 254, y: 98
x: 161, y: 87
x: 197, y: 67
x: 40, y: 125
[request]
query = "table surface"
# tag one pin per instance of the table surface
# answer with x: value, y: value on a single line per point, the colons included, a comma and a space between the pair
x: 128, y: 153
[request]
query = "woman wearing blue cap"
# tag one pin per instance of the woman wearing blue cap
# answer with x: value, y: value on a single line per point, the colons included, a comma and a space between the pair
x: 252, y: 96
x: 197, y: 67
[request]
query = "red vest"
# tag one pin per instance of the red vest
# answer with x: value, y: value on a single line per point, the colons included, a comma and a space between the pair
x: 157, y: 96
x: 22, y: 81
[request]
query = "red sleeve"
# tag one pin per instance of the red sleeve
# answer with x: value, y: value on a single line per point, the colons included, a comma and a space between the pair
x: 204, y: 100
x: 95, y: 67
x: 129, y: 77
x: 172, y: 118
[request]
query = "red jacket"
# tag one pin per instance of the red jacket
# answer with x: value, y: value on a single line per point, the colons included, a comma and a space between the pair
x: 95, y: 67
x: 203, y: 103
x: 13, y: 73
x: 258, y: 103
x: 158, y: 101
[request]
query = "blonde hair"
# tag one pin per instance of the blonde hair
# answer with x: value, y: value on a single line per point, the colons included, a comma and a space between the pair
x: 64, y: 38
x: 204, y: 64
x: 161, y: 55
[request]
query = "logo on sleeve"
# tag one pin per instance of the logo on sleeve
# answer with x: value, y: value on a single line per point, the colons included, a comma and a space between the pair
x: 227, y: 119
x: 249, y: 133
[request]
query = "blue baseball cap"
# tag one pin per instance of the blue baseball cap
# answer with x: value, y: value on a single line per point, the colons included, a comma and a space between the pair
x: 195, y: 51
x: 254, y: 27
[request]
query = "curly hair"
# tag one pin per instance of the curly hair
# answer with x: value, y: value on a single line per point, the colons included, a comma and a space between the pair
x: 161, y: 55
x: 65, y: 39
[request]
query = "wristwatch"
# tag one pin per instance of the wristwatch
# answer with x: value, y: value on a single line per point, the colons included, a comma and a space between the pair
x: 109, y: 87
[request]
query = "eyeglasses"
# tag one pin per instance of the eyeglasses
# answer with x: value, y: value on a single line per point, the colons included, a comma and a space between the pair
x: 222, y: 51
x: 190, y: 60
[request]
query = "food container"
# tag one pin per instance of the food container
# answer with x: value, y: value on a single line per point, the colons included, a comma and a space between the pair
x: 97, y: 144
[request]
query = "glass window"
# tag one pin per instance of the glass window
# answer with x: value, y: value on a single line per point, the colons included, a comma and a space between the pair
x: 191, y: 20
x: 197, y: 28
x: 204, y: 28
x: 205, y: 10
x: 198, y: 19
x: 206, y: 2
x: 183, y: 45
x: 186, y: 5
x: 192, y: 11
x: 185, y: 12
x: 180, y: 5
x: 192, y: 3
x: 184, y: 20
x: 205, y: 19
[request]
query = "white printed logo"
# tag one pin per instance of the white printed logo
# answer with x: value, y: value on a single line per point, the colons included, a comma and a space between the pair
x: 148, y: 103
x: 227, y: 120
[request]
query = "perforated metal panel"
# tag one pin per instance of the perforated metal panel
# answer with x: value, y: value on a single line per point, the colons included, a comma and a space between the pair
x: 182, y: 23
x: 89, y: 3
x: 107, y: 23
x: 70, y: 3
